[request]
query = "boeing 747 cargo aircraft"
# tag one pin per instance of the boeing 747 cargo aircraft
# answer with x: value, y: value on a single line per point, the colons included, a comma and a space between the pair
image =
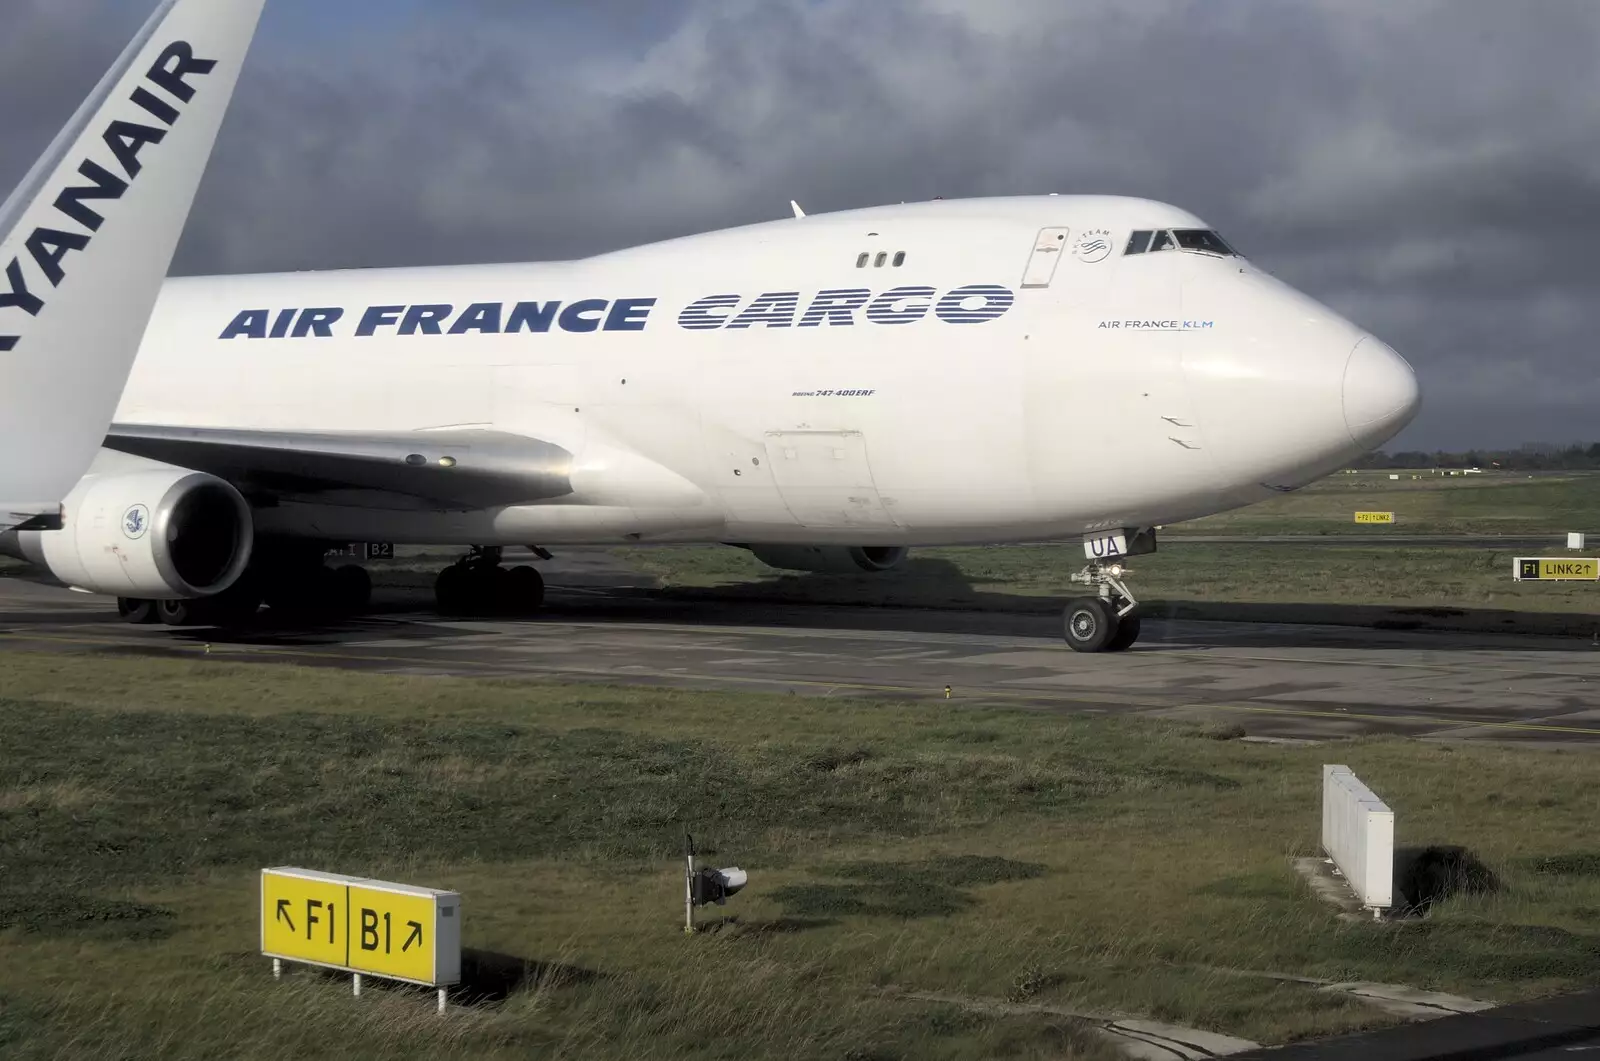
x: 826, y: 391
x: 86, y: 239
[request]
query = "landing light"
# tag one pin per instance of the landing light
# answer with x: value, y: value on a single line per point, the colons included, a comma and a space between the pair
x: 1115, y: 570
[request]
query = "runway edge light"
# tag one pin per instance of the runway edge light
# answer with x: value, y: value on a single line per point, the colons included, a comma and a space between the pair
x: 704, y: 885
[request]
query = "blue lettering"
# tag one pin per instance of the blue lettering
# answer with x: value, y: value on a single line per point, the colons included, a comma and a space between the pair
x: 574, y: 319
x: 107, y: 185
x: 318, y: 322
x: 835, y: 307
x: 49, y: 246
x: 280, y: 327
x: 379, y: 317
x: 163, y: 110
x: 127, y: 139
x: 700, y: 316
x: 19, y: 295
x: 629, y: 314
x: 251, y: 324
x: 426, y: 319
x: 176, y: 63
x: 481, y: 317
x: 898, y: 306
x: 535, y: 316
x: 975, y: 304
x: 775, y: 310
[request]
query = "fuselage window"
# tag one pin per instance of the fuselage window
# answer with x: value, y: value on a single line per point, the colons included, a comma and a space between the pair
x: 1200, y: 239
x: 1162, y: 242
x: 882, y: 257
x: 861, y: 262
x: 899, y: 259
x: 1139, y: 242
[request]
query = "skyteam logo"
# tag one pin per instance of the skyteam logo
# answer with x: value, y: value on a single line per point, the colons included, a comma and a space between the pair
x: 135, y: 522
x: 844, y: 307
x: 1093, y: 246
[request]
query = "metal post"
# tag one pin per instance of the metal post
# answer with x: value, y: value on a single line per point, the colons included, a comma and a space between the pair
x: 441, y: 1000
x: 688, y: 884
x: 688, y: 897
x: 356, y: 985
x: 277, y: 968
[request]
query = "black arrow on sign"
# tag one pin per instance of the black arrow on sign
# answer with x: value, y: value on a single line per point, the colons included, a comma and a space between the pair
x: 283, y: 913
x: 414, y: 937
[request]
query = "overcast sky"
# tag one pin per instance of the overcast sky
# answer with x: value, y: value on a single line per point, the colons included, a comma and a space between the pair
x: 1429, y: 167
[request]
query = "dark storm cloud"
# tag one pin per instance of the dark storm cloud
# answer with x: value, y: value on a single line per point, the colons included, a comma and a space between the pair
x: 1429, y: 167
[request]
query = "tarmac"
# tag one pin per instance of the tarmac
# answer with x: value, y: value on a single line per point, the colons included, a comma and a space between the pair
x: 1556, y: 1029
x: 1271, y: 681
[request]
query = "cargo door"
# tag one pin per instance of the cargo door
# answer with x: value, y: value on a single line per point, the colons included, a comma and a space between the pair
x: 825, y: 479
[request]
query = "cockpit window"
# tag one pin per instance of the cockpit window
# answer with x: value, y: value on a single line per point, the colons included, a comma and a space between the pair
x: 1200, y: 239
x: 1190, y: 239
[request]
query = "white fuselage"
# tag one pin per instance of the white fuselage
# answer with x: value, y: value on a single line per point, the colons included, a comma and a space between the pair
x: 1110, y: 390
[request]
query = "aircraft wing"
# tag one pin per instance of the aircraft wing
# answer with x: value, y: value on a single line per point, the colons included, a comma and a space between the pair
x: 451, y: 469
x: 87, y: 238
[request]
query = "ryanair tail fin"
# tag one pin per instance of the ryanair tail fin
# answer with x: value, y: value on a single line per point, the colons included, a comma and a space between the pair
x: 88, y: 236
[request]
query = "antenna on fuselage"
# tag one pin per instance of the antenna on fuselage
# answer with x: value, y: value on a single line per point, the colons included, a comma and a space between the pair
x: 796, y: 208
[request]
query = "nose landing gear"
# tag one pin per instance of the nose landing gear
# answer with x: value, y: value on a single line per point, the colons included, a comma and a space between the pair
x: 1107, y: 622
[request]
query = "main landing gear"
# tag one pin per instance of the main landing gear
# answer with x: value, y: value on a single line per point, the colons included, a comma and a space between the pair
x: 290, y: 578
x: 477, y: 585
x: 1106, y: 622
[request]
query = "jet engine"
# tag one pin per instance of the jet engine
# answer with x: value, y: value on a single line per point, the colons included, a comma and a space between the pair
x: 156, y: 532
x: 830, y: 559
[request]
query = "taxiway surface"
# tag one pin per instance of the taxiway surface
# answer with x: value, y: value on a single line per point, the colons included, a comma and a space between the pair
x: 1277, y: 681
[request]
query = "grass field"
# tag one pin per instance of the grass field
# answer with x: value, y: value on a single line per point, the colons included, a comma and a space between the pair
x: 1362, y: 584
x: 1343, y: 564
x: 1424, y: 502
x: 977, y: 851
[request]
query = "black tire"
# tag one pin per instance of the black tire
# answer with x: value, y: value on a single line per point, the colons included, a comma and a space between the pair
x: 137, y: 611
x: 452, y: 590
x: 351, y: 588
x: 1127, y: 634
x: 1089, y: 624
x: 180, y: 612
x: 524, y: 590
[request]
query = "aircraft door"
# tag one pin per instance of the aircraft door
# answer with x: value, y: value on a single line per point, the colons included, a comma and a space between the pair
x: 825, y: 480
x: 1048, y: 249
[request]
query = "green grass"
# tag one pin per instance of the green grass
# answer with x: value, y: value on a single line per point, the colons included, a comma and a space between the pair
x: 978, y: 851
x: 1347, y: 565
x: 1348, y: 583
x: 1424, y: 502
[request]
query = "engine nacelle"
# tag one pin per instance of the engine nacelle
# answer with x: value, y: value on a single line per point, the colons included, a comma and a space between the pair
x: 156, y: 533
x: 831, y: 559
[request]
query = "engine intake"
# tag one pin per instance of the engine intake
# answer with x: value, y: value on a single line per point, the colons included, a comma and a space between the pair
x: 831, y: 559
x: 159, y: 533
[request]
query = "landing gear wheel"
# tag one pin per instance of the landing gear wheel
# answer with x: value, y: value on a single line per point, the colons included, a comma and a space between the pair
x: 1090, y: 624
x: 452, y: 590
x: 524, y: 590
x: 136, y: 611
x: 1127, y: 633
x: 351, y: 589
x: 180, y: 612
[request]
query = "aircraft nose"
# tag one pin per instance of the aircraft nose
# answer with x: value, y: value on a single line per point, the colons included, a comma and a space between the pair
x: 1380, y: 392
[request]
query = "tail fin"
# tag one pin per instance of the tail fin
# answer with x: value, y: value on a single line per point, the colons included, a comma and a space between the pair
x: 88, y: 236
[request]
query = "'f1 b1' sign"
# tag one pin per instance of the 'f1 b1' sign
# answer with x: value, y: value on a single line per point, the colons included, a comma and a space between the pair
x: 373, y: 927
